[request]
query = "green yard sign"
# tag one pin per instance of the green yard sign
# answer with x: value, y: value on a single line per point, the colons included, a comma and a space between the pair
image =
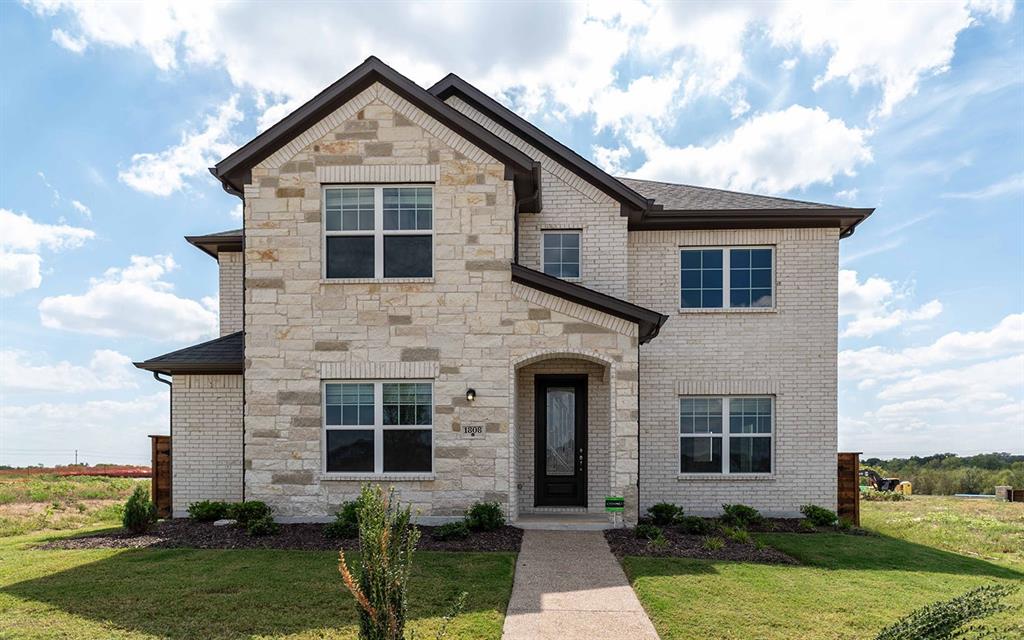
x: 613, y: 504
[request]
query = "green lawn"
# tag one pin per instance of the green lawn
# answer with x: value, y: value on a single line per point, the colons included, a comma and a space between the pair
x: 184, y: 593
x: 847, y: 587
x: 30, y: 502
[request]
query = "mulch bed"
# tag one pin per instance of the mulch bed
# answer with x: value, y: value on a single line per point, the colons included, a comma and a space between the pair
x: 188, y: 534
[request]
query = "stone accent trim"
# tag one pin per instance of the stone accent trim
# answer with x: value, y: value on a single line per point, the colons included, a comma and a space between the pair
x: 366, y: 174
x: 573, y: 310
x: 225, y: 381
x: 726, y: 387
x: 378, y: 92
x: 378, y: 370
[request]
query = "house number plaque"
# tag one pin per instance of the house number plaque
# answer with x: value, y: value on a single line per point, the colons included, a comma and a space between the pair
x: 472, y: 429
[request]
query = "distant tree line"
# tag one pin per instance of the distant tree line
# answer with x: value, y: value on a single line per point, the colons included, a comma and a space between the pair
x: 947, y: 473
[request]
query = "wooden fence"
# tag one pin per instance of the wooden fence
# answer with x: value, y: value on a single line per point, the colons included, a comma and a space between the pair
x: 161, y: 478
x: 849, y: 487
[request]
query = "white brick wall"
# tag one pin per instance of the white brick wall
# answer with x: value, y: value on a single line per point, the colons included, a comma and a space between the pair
x: 206, y: 439
x: 230, y: 266
x: 569, y: 203
x: 790, y: 352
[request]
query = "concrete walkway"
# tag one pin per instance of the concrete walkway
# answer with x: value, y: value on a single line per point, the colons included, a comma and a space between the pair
x: 569, y: 585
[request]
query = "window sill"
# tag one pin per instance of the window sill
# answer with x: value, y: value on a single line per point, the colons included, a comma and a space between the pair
x: 379, y: 477
x: 727, y: 477
x: 376, y: 280
x: 732, y: 310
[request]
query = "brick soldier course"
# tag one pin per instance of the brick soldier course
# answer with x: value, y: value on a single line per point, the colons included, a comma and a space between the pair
x: 252, y: 420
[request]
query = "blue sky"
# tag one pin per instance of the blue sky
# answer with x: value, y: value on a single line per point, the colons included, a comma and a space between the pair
x: 109, y: 115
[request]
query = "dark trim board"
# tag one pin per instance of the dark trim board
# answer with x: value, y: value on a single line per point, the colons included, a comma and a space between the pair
x: 213, y: 243
x: 543, y: 484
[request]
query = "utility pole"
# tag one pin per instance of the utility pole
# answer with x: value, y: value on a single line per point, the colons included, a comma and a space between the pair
x: 76, y: 457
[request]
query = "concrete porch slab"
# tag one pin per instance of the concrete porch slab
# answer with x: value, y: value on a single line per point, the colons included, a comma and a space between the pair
x: 563, y: 522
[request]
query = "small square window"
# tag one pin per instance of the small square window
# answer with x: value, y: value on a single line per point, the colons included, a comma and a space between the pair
x: 700, y: 278
x: 561, y: 253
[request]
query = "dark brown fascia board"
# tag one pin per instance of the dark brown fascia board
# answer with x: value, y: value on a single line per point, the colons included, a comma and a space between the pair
x: 454, y: 85
x: 183, y: 368
x: 213, y: 244
x: 846, y: 219
x: 648, y: 322
x: 235, y: 170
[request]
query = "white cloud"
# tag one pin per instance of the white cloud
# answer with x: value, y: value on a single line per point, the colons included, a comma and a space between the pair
x: 82, y: 209
x: 847, y: 194
x: 1004, y: 339
x: 236, y: 212
x: 102, y: 430
x: 19, y: 272
x: 21, y: 239
x: 611, y: 160
x: 1007, y: 186
x: 165, y: 172
x: 132, y: 301
x: 984, y: 378
x: 69, y: 42
x: 892, y: 45
x: 771, y: 152
x: 19, y: 232
x: 871, y: 304
x: 106, y: 370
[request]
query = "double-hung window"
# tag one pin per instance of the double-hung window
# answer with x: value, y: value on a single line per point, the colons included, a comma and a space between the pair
x: 725, y: 434
x: 378, y: 232
x: 726, y: 278
x: 561, y: 254
x: 378, y: 427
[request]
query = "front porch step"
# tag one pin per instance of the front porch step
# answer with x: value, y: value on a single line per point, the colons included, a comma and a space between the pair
x: 563, y: 521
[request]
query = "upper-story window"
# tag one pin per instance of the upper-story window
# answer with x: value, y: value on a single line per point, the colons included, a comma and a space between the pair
x: 726, y: 278
x: 562, y: 254
x: 379, y: 232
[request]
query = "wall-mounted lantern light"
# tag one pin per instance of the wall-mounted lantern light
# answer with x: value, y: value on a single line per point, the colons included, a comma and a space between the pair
x: 470, y: 395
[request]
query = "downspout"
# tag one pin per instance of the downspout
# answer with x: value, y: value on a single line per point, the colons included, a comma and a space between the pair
x: 638, y: 441
x: 519, y: 203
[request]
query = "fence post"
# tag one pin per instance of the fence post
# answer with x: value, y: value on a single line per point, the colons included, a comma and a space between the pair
x: 848, y: 493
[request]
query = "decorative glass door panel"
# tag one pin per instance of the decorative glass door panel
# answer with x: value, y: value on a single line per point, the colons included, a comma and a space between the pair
x: 561, y: 431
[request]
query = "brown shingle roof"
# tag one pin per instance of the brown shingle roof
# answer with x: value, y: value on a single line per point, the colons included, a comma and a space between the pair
x: 685, y: 197
x: 221, y: 355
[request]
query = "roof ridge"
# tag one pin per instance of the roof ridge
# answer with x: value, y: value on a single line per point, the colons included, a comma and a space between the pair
x: 824, y: 205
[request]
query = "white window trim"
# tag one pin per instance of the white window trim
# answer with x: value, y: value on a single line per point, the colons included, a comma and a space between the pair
x: 726, y: 284
x: 378, y: 429
x: 578, y: 232
x: 378, y: 232
x: 725, y: 435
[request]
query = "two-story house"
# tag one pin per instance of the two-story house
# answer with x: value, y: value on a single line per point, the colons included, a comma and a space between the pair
x: 431, y: 293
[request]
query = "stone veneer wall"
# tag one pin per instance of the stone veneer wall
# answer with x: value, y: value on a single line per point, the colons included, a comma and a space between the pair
x: 598, y: 428
x: 468, y: 325
x: 569, y: 203
x: 789, y: 352
x: 230, y: 266
x: 206, y: 439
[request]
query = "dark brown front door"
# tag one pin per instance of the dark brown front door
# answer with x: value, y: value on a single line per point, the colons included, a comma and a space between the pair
x: 560, y: 436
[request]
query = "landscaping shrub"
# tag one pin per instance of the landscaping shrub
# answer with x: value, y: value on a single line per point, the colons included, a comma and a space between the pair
x: 806, y: 525
x: 845, y: 524
x: 713, y: 543
x: 881, y: 496
x: 387, y: 539
x: 485, y: 516
x: 139, y: 511
x: 665, y: 513
x: 819, y: 516
x: 947, y: 619
x: 346, y: 522
x: 740, y: 515
x: 246, y: 512
x: 262, y: 526
x: 451, y: 531
x: 658, y: 542
x: 208, y: 510
x: 694, y: 526
x: 647, y: 531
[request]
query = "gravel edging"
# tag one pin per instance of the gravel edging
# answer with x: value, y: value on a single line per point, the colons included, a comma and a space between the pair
x: 188, y: 534
x: 624, y: 542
